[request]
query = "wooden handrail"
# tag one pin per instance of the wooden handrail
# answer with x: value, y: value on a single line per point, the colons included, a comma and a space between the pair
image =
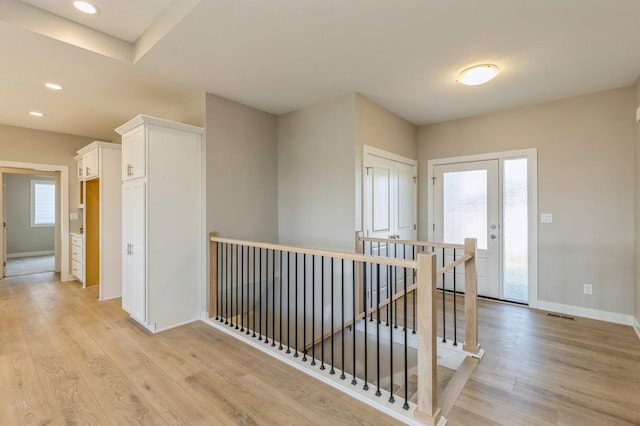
x: 412, y: 242
x: 452, y: 265
x: 401, y: 263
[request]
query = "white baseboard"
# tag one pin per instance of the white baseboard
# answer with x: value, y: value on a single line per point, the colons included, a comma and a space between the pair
x: 30, y: 254
x: 636, y: 326
x: 586, y: 312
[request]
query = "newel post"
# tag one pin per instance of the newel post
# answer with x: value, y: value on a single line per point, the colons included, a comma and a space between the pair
x: 470, y: 298
x: 213, y: 275
x: 427, y: 410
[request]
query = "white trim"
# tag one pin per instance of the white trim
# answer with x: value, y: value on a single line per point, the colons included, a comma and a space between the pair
x: 63, y: 234
x: 369, y: 150
x: 579, y: 311
x: 532, y: 175
x: 636, y: 326
x: 396, y: 411
x: 30, y: 254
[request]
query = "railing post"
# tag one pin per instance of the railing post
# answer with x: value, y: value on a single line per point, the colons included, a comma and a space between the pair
x: 470, y: 298
x: 213, y: 275
x: 427, y: 411
x: 358, y: 276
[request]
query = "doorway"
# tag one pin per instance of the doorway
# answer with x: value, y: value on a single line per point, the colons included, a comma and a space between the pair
x: 491, y: 198
x: 61, y: 211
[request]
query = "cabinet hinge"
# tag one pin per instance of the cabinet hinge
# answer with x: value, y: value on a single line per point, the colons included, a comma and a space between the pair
x: 415, y: 179
x: 367, y: 168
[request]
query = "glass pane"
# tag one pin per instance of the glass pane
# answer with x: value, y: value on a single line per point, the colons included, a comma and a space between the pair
x: 465, y: 206
x: 44, y: 203
x: 515, y: 230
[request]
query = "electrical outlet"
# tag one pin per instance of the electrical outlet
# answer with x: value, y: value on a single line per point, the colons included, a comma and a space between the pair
x: 588, y: 289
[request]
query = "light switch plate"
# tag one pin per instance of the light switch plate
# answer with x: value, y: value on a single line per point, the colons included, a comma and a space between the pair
x: 73, y: 216
x: 546, y: 218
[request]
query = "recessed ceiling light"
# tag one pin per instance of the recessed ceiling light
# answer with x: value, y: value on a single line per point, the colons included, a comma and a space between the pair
x: 478, y: 74
x: 85, y: 7
x: 53, y: 86
x: 36, y: 114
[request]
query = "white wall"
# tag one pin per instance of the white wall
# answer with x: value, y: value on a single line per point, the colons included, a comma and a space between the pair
x: 316, y: 175
x: 585, y: 179
x: 241, y: 168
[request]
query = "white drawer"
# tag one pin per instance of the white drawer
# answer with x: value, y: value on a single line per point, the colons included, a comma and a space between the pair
x: 76, y: 269
x: 76, y: 253
x: 77, y: 241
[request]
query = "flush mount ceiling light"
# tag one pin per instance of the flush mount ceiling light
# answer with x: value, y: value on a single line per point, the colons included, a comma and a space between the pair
x: 53, y: 86
x: 36, y: 114
x: 478, y: 74
x: 85, y: 7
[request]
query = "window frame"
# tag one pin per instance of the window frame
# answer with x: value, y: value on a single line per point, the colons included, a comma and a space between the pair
x: 33, y: 183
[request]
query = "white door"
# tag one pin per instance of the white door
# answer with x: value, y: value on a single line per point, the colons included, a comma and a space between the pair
x: 133, y: 154
x: 133, y: 249
x: 389, y: 205
x: 3, y: 229
x: 466, y: 205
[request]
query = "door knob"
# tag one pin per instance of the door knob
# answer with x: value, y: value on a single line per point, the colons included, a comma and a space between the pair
x: 493, y: 236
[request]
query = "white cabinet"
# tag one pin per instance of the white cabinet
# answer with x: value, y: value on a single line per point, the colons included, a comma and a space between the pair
x: 163, y: 238
x: 91, y: 164
x: 133, y: 154
x: 77, y: 256
x: 100, y: 193
x: 79, y: 169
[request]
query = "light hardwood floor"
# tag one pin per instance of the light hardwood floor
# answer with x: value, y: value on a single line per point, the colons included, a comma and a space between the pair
x: 67, y: 359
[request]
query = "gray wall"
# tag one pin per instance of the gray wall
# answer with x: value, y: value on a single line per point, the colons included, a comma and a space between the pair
x: 316, y: 175
x: 21, y: 237
x: 241, y: 167
x: 585, y: 179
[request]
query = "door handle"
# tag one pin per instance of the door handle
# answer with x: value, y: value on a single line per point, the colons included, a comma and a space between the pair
x: 493, y: 236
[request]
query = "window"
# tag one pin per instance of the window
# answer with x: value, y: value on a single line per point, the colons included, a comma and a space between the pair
x: 43, y: 203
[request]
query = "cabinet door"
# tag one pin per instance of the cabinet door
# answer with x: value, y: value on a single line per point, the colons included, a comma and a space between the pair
x: 134, y: 292
x: 134, y: 154
x: 91, y: 164
x: 79, y: 170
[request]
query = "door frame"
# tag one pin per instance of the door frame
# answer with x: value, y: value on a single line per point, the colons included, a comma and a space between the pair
x: 62, y: 223
x: 532, y: 193
x: 369, y: 150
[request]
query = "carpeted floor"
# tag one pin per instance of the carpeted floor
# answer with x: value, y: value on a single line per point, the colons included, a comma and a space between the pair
x: 30, y: 265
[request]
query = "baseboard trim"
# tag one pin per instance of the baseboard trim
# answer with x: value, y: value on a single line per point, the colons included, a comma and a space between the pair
x: 30, y: 254
x: 636, y: 326
x: 586, y: 313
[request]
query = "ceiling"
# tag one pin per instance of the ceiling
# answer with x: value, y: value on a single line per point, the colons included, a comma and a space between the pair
x: 150, y: 56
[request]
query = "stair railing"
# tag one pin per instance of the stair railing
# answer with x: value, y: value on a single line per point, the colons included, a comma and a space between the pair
x: 310, y: 305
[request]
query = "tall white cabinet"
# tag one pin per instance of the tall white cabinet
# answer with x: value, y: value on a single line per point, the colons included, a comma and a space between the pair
x: 162, y: 211
x: 96, y: 256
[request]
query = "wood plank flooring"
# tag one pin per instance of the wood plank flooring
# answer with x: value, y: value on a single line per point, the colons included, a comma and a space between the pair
x: 67, y: 359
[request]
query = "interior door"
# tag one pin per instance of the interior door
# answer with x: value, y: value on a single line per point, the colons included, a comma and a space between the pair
x: 466, y: 205
x: 3, y: 229
x: 389, y: 206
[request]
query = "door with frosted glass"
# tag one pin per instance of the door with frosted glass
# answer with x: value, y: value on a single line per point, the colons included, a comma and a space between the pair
x: 466, y: 205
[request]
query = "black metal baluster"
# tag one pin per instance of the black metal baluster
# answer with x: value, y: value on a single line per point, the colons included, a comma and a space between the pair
x: 455, y: 322
x: 304, y: 307
x: 391, y: 400
x: 228, y: 285
x: 295, y: 284
x: 322, y: 313
x: 260, y: 295
x: 444, y: 293
x: 288, y: 302
x: 353, y: 327
x: 266, y: 297
x: 242, y: 289
x: 364, y: 303
x: 280, y: 319
x: 219, y: 280
x: 237, y: 284
x: 332, y: 371
x: 231, y: 282
x: 395, y: 284
x: 313, y: 310
x: 253, y: 332
x: 273, y: 299
x: 406, y: 347
x: 378, y: 393
x: 342, y: 376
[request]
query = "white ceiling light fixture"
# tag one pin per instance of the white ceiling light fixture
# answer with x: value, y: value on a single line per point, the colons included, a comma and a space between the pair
x: 36, y: 114
x: 53, y: 86
x: 85, y: 7
x: 478, y: 74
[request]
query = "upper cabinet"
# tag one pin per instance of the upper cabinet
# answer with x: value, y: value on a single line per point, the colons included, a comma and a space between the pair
x: 91, y: 164
x: 134, y: 154
x: 79, y: 169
